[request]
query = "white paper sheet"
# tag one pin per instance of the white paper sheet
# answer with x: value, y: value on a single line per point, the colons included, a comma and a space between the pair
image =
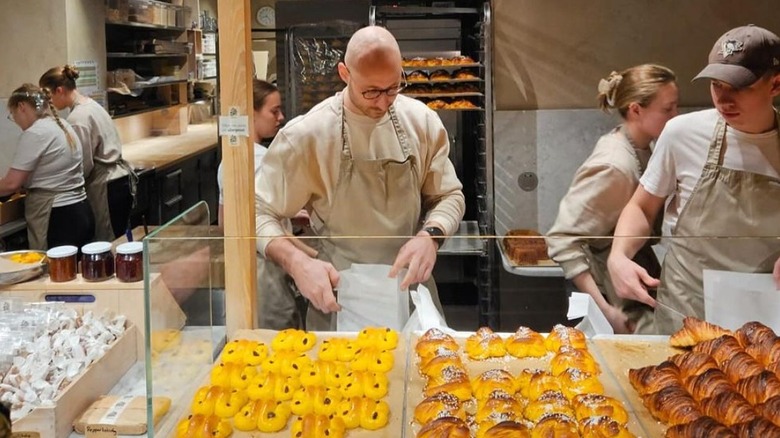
x: 733, y: 298
x: 581, y: 305
x: 368, y: 297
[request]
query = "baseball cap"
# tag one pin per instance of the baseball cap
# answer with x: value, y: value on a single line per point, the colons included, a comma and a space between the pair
x: 742, y: 55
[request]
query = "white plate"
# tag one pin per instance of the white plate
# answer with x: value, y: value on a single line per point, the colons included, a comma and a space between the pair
x: 527, y: 271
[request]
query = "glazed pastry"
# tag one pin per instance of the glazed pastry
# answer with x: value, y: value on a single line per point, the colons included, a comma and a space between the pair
x: 708, y: 384
x: 600, y: 427
x: 508, y: 429
x: 313, y: 425
x: 729, y: 408
x: 576, y: 382
x: 672, y: 405
x: 464, y: 73
x: 565, y: 336
x: 498, y: 402
x: 255, y: 356
x: 437, y: 104
x: 432, y: 342
x: 721, y: 349
x: 448, y: 427
x: 440, y: 75
x: 315, y: 399
x: 741, y: 365
x: 452, y: 380
x: 229, y: 403
x: 702, y: 427
x: 382, y: 338
x: 438, y: 406
x: 291, y: 340
x: 350, y: 409
x: 375, y: 415
x: 205, y: 399
x: 654, y: 378
x: 263, y: 385
x: 568, y: 357
x: 770, y: 410
x: 597, y: 405
x: 415, y: 62
x: 285, y: 387
x: 548, y: 403
x: 759, y: 388
x: 329, y: 349
x: 539, y: 382
x: 555, y: 425
x: 278, y: 360
x: 695, y: 330
x: 241, y: 380
x: 526, y: 343
x: 372, y: 359
x: 496, y: 418
x: 264, y: 415
x: 417, y: 76
x: 203, y: 426
x: 485, y: 344
x: 235, y: 350
x: 753, y: 333
x: 491, y: 380
x: 364, y: 383
x: 222, y: 373
x: 692, y: 363
x: 437, y: 363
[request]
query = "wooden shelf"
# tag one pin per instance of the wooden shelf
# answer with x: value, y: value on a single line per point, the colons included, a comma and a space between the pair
x: 157, y: 84
x: 119, y: 55
x: 145, y: 25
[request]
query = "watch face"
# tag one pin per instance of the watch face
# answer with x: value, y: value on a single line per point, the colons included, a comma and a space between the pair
x: 266, y: 16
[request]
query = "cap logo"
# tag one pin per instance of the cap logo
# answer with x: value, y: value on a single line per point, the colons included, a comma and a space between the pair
x: 730, y: 47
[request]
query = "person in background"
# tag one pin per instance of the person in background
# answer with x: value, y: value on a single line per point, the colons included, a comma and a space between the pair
x: 645, y: 97
x: 364, y: 162
x: 110, y: 181
x: 48, y: 165
x: 276, y: 297
x: 717, y: 173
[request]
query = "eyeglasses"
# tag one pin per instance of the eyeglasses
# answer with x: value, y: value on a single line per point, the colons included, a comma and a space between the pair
x: 392, y: 91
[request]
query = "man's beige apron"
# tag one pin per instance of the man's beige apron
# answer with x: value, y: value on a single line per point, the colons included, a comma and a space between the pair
x: 37, y: 211
x: 372, y: 198
x: 97, y: 194
x: 276, y: 297
x: 725, y: 202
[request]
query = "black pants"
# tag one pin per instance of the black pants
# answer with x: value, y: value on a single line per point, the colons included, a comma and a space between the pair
x: 72, y: 224
x: 120, y: 203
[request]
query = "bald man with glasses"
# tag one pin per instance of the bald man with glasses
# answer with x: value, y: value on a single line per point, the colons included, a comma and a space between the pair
x: 364, y: 162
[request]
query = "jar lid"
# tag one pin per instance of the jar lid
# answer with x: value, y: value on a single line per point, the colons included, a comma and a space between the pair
x: 59, y: 252
x: 96, y: 248
x: 130, y: 248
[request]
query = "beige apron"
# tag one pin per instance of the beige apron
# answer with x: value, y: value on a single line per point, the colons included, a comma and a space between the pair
x: 37, y: 210
x: 276, y: 298
x: 386, y: 188
x: 725, y: 202
x: 97, y: 194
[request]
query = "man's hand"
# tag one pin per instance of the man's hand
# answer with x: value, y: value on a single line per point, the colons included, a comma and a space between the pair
x: 630, y: 280
x: 776, y: 273
x: 316, y: 280
x: 619, y: 321
x: 419, y: 256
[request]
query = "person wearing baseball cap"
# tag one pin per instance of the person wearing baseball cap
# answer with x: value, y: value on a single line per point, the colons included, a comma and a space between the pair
x: 717, y: 172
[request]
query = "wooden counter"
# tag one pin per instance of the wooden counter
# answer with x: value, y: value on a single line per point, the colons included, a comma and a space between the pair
x: 165, y: 151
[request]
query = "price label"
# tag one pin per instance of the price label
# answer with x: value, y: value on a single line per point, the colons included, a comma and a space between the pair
x: 25, y: 435
x: 100, y: 431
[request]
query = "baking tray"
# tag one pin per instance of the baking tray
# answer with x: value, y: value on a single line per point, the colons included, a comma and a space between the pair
x: 550, y: 270
x: 12, y: 272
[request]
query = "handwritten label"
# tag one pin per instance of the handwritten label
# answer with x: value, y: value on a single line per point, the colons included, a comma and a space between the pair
x: 100, y: 431
x: 234, y: 125
x: 25, y: 435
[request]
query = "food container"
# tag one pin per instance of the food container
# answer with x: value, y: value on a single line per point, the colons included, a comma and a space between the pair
x: 62, y: 263
x: 130, y: 262
x: 97, y: 261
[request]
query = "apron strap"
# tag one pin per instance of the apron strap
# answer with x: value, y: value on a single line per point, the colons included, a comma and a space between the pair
x: 716, y: 150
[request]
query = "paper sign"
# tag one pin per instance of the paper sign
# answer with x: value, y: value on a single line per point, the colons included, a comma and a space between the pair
x: 368, y: 297
x: 734, y: 298
x: 25, y: 435
x: 234, y: 124
x: 100, y: 431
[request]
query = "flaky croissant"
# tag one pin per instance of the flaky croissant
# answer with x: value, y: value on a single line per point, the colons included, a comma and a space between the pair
x: 760, y: 427
x: 765, y: 351
x: 672, y: 405
x: 702, y: 427
x: 721, y: 349
x: 446, y: 427
x: 752, y: 333
x: 741, y: 365
x: 775, y: 368
x: 695, y: 330
x: 770, y: 410
x: 692, y: 363
x: 654, y: 378
x: 760, y: 387
x: 707, y: 384
x: 729, y: 408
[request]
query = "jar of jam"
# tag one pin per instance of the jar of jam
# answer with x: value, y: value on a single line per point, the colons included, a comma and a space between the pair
x: 130, y: 262
x: 62, y: 263
x: 97, y: 261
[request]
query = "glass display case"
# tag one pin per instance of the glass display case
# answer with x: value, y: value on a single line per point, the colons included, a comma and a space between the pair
x: 187, y: 363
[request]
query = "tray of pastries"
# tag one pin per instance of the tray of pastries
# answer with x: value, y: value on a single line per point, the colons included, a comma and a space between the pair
x: 299, y: 384
x: 523, y: 384
x: 451, y: 104
x: 724, y: 383
x: 427, y: 62
x: 524, y: 252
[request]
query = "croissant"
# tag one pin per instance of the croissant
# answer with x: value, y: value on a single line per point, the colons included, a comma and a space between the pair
x: 672, y: 405
x: 707, y: 384
x: 760, y: 427
x: 729, y: 408
x: 752, y: 333
x: 741, y: 365
x: 765, y: 351
x: 775, y: 368
x: 721, y: 349
x: 703, y: 427
x: 653, y: 378
x: 548, y: 403
x: 568, y: 357
x: 695, y: 330
x: 599, y: 427
x: 555, y: 425
x: 562, y: 335
x: 770, y: 410
x: 692, y: 363
x: 438, y: 406
x: 526, y: 343
x: 508, y: 429
x: 760, y: 387
x: 491, y: 380
x: 596, y: 405
x: 446, y: 427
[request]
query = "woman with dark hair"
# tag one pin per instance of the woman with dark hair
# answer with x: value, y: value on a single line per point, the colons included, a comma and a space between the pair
x: 48, y: 165
x: 104, y: 168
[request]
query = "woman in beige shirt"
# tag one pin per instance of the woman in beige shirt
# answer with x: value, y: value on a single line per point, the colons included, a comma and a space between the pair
x: 645, y: 96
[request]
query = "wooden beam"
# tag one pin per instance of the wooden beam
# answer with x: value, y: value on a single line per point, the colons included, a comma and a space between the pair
x: 235, y: 85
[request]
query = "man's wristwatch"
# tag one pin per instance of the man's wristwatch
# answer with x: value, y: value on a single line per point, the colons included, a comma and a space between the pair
x: 437, y: 234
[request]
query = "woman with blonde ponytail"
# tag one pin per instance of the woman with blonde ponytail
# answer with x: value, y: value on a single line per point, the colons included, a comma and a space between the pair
x: 645, y: 97
x: 48, y: 165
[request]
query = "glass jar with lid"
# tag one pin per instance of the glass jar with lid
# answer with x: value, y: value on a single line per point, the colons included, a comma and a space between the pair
x: 130, y: 262
x: 62, y: 263
x: 97, y: 261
